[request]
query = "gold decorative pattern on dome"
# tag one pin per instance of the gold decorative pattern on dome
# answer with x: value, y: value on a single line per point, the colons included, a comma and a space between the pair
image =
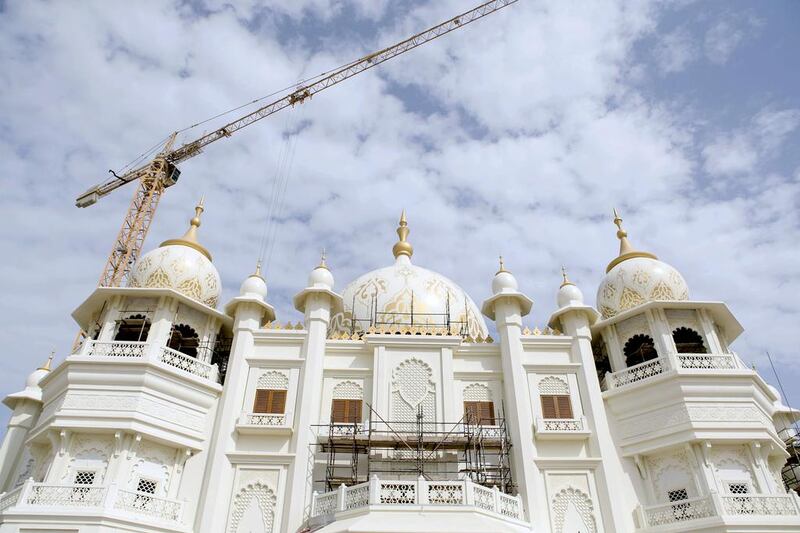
x: 630, y: 298
x: 403, y: 247
x: 626, y: 251
x: 371, y: 287
x: 566, y: 280
x: 190, y: 237
x: 662, y: 292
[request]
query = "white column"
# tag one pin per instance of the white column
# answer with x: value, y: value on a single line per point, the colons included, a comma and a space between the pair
x: 219, y: 473
x: 26, y: 412
x: 518, y: 414
x: 449, y: 409
x: 617, y: 496
x: 307, y: 413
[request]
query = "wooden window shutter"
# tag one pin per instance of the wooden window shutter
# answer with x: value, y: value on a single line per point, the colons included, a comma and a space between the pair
x: 486, y: 410
x: 278, y: 402
x: 270, y: 401
x: 346, y: 411
x: 564, y: 406
x: 261, y: 402
x: 471, y: 413
x: 549, y: 409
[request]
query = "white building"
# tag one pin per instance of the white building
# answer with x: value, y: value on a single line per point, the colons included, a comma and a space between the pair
x: 390, y: 408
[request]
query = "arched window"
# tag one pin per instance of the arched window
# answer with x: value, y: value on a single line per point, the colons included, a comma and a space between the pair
x: 638, y: 349
x: 133, y: 328
x: 688, y: 340
x: 184, y: 339
x: 601, y: 361
x: 271, y: 389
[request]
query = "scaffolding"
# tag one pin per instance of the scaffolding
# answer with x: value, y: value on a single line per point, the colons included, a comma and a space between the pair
x: 407, y: 449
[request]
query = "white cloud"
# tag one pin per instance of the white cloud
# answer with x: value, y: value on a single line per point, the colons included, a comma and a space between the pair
x: 533, y: 132
x: 675, y: 51
x: 730, y: 31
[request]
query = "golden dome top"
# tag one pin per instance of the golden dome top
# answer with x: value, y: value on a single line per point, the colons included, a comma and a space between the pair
x: 626, y: 251
x: 190, y: 237
x: 403, y: 247
x: 49, y: 362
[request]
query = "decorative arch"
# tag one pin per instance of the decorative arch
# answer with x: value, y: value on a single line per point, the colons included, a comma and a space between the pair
x: 133, y: 327
x: 571, y: 503
x: 274, y: 380
x: 348, y: 390
x: 185, y: 339
x: 688, y: 340
x: 151, y: 468
x: 253, y: 510
x: 477, y: 392
x: 638, y: 349
x: 413, y: 390
x: 553, y: 385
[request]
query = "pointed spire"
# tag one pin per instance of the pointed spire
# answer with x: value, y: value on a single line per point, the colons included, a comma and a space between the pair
x: 49, y: 362
x: 564, y: 275
x: 626, y: 250
x: 403, y: 247
x: 322, y: 263
x: 257, y: 273
x: 502, y: 266
x: 190, y: 237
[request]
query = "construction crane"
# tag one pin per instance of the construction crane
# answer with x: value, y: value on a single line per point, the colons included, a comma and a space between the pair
x: 162, y: 171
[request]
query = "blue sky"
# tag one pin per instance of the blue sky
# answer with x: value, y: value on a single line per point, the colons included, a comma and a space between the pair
x: 515, y: 135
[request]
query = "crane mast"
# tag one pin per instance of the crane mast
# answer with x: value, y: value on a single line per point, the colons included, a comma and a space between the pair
x: 161, y: 172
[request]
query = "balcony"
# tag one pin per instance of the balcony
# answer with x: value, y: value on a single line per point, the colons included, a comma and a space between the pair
x: 260, y: 423
x: 561, y: 428
x: 106, y: 501
x: 420, y: 496
x: 687, y: 363
x: 728, y: 509
x: 162, y: 355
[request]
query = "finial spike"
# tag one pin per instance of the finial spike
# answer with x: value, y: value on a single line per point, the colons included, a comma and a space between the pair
x: 626, y: 251
x: 403, y: 247
x: 502, y: 266
x: 190, y: 237
x: 322, y: 263
x: 566, y: 280
x: 258, y: 269
x: 49, y: 362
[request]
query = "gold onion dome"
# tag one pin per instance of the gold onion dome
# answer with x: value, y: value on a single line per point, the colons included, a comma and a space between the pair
x: 388, y: 296
x: 182, y: 264
x: 635, y: 277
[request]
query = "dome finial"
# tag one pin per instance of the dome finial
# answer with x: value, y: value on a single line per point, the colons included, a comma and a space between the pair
x: 502, y: 266
x: 626, y: 251
x: 403, y: 247
x: 564, y: 275
x: 257, y: 273
x: 322, y: 263
x: 49, y: 362
x: 190, y: 237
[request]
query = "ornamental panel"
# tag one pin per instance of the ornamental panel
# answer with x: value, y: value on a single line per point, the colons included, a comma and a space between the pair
x: 477, y: 392
x: 348, y: 390
x: 273, y: 379
x: 551, y: 385
x: 572, y: 508
x: 413, y: 390
x: 253, y: 510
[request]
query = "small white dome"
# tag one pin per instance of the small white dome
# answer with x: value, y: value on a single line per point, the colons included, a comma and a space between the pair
x: 635, y: 277
x: 180, y: 264
x: 504, y: 281
x: 636, y: 281
x: 569, y: 294
x: 255, y: 286
x: 35, y: 377
x: 321, y: 278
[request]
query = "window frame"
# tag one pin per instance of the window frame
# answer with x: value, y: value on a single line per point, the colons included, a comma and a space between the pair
x: 558, y: 406
x: 349, y: 404
x: 473, y: 412
x: 270, y: 401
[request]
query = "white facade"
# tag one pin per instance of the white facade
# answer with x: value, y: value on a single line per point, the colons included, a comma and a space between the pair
x: 389, y: 408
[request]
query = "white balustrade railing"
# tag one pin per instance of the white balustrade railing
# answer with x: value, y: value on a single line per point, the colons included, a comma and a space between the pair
x: 560, y: 425
x: 117, y: 349
x: 679, y: 511
x: 404, y: 493
x: 144, y: 350
x: 108, y: 500
x: 760, y: 504
x: 637, y: 373
x: 9, y: 499
x: 139, y: 503
x: 265, y: 419
x: 189, y: 364
x: 707, y: 361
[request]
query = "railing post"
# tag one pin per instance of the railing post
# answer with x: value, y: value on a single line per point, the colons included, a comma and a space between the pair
x: 314, y: 504
x: 716, y: 501
x: 374, y: 490
x: 340, y: 497
x: 469, y: 495
x: 422, y: 493
x: 110, y: 498
x: 641, y: 516
x: 496, y: 493
x: 25, y: 493
x: 214, y: 373
x: 796, y: 500
x: 152, y: 352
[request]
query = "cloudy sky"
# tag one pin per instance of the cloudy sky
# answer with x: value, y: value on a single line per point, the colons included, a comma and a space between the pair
x: 514, y: 135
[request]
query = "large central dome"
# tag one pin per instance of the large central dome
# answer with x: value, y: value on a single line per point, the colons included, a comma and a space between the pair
x: 404, y: 294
